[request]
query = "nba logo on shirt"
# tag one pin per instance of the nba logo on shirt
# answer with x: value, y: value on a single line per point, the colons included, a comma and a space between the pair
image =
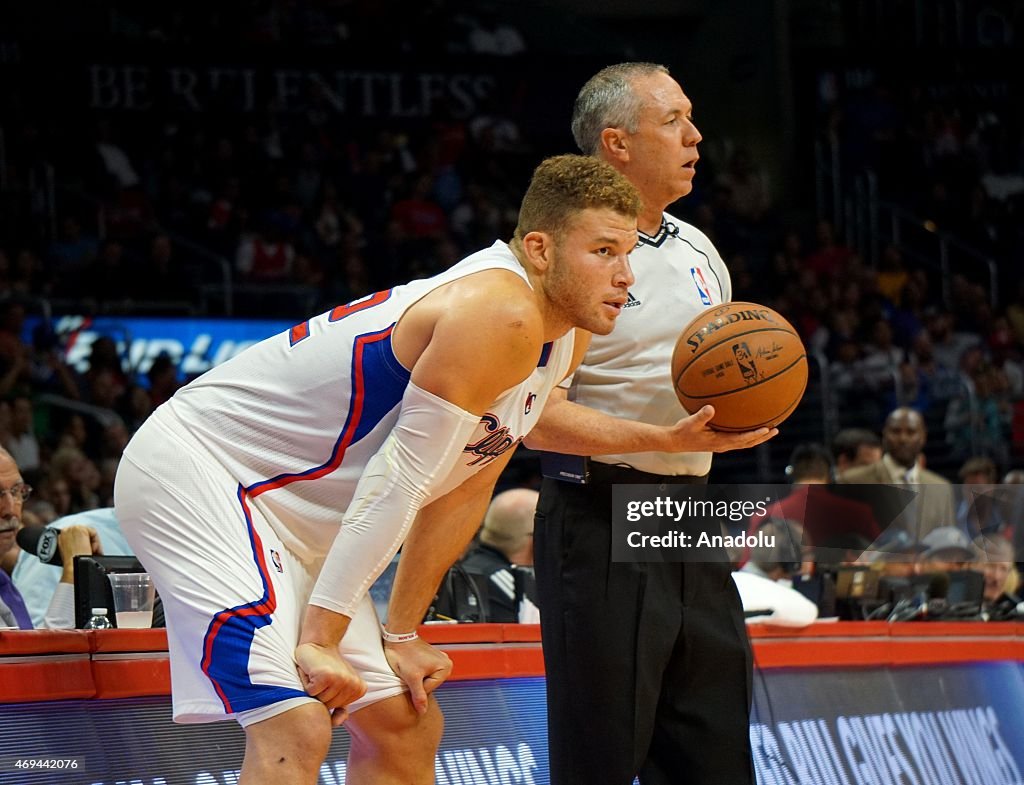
x: 701, y: 284
x: 276, y: 558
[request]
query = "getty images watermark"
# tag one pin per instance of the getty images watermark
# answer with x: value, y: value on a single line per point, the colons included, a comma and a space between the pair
x: 795, y: 523
x: 689, y: 522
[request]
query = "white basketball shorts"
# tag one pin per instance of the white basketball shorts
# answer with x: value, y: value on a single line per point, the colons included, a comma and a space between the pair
x: 233, y: 595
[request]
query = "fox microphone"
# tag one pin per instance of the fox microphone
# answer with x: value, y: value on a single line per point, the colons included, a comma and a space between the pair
x: 41, y: 541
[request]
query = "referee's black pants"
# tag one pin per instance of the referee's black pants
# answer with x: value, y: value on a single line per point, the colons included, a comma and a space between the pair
x: 648, y: 665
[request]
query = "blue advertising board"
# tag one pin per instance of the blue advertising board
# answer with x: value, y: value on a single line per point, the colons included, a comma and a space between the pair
x: 936, y: 725
x: 195, y: 345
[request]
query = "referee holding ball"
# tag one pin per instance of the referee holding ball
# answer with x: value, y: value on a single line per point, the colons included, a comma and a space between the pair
x: 648, y: 665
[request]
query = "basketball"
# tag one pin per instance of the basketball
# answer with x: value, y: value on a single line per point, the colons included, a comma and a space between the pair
x: 746, y: 361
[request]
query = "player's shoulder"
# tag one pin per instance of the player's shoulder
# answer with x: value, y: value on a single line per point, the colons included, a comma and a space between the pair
x: 496, y: 298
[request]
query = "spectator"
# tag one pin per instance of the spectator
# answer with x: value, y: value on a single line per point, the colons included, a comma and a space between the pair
x: 505, y: 546
x: 1015, y: 502
x: 16, y: 566
x: 765, y: 581
x: 488, y: 34
x: 903, y: 440
x: 104, y: 356
x: 418, y: 216
x: 1006, y: 357
x: 265, y: 256
x: 823, y: 516
x: 48, y: 371
x: 947, y: 550
x: 979, y: 512
x: 163, y: 379
x: 897, y: 557
x: 882, y: 359
x: 55, y: 492
x: 892, y: 277
x: 81, y: 475
x: 948, y: 346
x: 21, y: 441
x: 847, y: 369
x: 135, y: 406
x: 12, y: 324
x: 938, y: 381
x: 829, y: 258
x: 978, y: 419
x: 1002, y: 581
x: 92, y: 532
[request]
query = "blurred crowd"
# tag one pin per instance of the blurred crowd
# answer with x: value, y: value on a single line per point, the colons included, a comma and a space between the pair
x: 308, y: 209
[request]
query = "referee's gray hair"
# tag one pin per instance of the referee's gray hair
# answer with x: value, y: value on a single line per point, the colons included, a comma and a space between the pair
x: 608, y: 100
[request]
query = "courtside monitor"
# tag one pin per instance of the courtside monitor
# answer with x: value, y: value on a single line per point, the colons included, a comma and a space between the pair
x: 92, y: 589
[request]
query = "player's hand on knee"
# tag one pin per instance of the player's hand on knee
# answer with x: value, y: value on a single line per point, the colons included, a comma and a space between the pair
x: 327, y: 677
x: 421, y: 666
x: 694, y: 434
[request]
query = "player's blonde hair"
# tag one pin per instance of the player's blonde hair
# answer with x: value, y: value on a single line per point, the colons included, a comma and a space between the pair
x: 564, y: 186
x: 608, y: 100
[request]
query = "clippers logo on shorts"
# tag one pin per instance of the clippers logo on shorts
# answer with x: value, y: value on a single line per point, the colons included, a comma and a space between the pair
x: 529, y: 402
x: 276, y: 558
x: 701, y: 284
x: 745, y: 361
x: 497, y: 442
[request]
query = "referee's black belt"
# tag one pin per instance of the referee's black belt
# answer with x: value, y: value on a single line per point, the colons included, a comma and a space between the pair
x: 607, y: 474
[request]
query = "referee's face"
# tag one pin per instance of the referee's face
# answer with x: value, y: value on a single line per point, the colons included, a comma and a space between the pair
x: 589, y: 278
x: 662, y: 152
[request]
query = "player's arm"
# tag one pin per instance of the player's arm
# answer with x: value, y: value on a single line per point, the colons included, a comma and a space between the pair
x: 485, y: 340
x: 572, y: 428
x: 438, y: 538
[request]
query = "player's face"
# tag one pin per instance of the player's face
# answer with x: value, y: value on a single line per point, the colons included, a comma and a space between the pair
x: 663, y: 150
x: 590, y: 275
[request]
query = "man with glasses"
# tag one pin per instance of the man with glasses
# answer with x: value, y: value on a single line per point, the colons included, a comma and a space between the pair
x: 19, y: 571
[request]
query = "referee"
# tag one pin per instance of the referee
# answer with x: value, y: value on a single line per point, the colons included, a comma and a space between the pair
x: 648, y: 665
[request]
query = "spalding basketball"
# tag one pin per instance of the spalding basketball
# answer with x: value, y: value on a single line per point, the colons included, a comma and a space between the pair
x: 746, y: 361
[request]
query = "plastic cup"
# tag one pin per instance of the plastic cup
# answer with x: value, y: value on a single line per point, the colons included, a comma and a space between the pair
x: 133, y: 599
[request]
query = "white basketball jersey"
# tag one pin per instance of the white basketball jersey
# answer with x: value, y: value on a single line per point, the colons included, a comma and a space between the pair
x: 628, y: 372
x: 295, y: 417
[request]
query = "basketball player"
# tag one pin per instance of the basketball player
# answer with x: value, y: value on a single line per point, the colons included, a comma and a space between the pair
x: 648, y: 665
x: 267, y: 496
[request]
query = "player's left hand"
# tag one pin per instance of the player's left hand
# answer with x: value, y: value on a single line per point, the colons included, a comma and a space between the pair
x: 421, y: 666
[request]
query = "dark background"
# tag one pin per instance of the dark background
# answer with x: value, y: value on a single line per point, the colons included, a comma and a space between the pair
x: 899, y: 123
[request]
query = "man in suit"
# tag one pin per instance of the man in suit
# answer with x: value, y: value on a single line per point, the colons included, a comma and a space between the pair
x: 903, y: 440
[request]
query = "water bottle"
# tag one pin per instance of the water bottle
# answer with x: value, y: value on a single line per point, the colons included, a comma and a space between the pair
x: 99, y: 620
